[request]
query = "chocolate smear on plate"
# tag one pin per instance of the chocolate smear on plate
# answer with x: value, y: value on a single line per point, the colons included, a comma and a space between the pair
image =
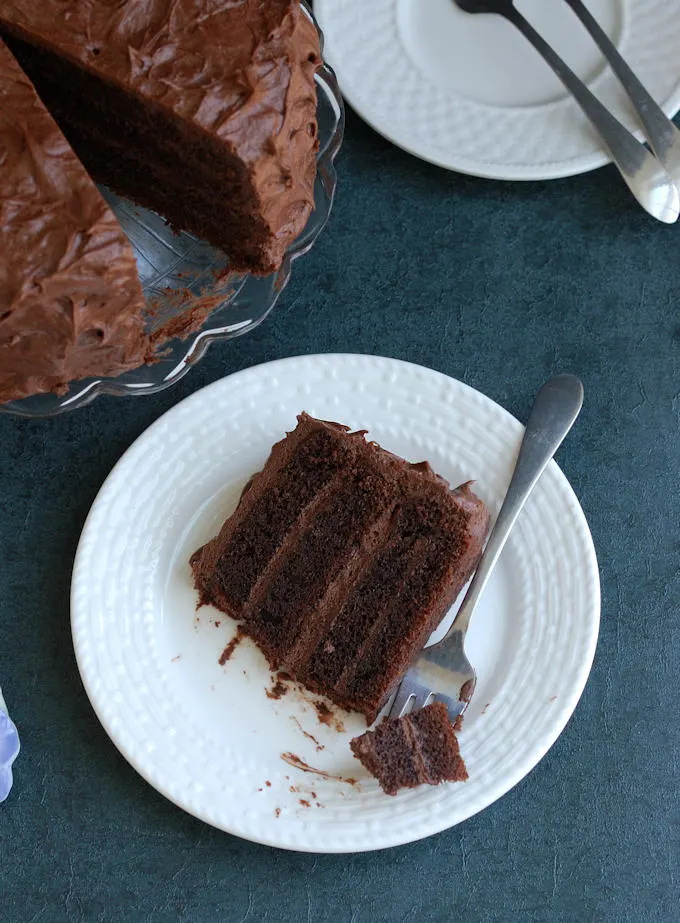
x: 308, y: 735
x: 293, y: 760
x: 231, y: 647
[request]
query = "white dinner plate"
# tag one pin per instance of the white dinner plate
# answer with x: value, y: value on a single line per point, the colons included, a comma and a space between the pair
x: 206, y: 735
x: 471, y: 94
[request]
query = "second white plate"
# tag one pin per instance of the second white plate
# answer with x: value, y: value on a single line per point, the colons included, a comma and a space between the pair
x: 469, y: 92
x: 207, y: 735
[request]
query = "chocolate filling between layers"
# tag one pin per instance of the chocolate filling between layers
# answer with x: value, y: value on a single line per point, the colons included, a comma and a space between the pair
x: 413, y: 616
x: 388, y: 755
x: 315, y: 555
x: 260, y: 534
x: 354, y: 628
x: 392, y: 609
x: 437, y: 744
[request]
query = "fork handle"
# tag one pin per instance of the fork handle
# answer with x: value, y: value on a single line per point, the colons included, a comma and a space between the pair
x: 662, y: 134
x: 642, y: 172
x: 556, y: 407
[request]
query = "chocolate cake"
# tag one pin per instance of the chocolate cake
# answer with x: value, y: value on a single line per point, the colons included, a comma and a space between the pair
x: 420, y: 748
x: 204, y: 111
x: 70, y: 299
x: 341, y: 559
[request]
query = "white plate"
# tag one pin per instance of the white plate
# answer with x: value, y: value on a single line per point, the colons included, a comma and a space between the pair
x: 469, y: 92
x: 206, y: 735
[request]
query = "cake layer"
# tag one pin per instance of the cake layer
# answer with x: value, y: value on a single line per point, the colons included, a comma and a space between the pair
x: 315, y: 568
x: 340, y: 560
x: 420, y: 748
x: 71, y: 305
x: 402, y: 598
x: 437, y: 744
x: 351, y: 637
x: 221, y: 97
x: 295, y: 476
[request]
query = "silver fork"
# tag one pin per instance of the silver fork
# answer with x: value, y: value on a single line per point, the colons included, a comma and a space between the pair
x: 662, y: 134
x: 442, y: 671
x: 644, y: 175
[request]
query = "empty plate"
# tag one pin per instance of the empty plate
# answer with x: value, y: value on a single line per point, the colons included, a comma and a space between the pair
x: 469, y: 92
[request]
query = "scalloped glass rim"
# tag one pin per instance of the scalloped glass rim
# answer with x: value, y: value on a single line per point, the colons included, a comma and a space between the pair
x: 248, y: 299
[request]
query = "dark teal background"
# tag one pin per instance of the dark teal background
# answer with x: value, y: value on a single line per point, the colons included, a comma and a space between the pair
x: 498, y: 285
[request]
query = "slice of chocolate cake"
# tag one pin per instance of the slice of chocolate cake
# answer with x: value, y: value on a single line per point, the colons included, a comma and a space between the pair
x: 70, y: 299
x: 340, y: 561
x: 204, y: 111
x: 420, y: 748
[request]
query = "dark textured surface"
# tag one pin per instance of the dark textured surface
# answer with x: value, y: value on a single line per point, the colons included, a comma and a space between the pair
x: 498, y: 285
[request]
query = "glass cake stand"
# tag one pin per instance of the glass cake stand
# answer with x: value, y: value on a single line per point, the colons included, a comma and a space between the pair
x: 184, y: 279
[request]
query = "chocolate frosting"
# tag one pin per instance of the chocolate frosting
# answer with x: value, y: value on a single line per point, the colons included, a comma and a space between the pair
x: 240, y: 70
x: 70, y: 298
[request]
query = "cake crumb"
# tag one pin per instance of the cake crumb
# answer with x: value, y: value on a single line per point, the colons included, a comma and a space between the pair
x: 280, y: 688
x: 217, y: 623
x: 328, y: 717
x: 294, y: 788
x: 175, y: 659
x: 466, y: 691
x: 259, y: 789
x: 313, y: 794
x: 323, y: 713
x: 230, y: 648
x: 553, y: 698
x: 485, y: 708
x: 304, y: 803
x: 191, y: 318
x: 268, y: 784
x: 458, y: 723
x: 220, y: 274
x: 277, y: 812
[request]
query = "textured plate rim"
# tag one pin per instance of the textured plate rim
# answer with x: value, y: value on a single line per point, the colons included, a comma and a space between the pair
x: 471, y: 167
x: 561, y: 714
